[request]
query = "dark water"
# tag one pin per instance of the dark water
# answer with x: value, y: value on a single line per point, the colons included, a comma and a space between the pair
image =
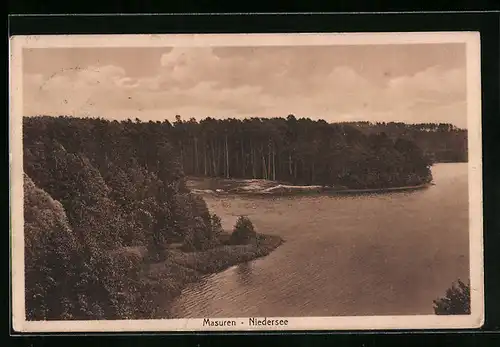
x: 389, y: 254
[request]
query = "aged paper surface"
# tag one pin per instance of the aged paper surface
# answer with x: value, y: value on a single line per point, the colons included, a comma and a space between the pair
x: 246, y: 182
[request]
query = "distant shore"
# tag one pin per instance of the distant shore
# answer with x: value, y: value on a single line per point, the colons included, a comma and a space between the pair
x: 261, y: 187
x: 381, y: 190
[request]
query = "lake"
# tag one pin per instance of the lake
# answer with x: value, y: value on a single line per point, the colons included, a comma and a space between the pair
x: 386, y: 254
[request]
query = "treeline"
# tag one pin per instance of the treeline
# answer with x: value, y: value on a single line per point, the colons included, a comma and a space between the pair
x: 299, y: 151
x: 440, y: 142
x: 93, y: 190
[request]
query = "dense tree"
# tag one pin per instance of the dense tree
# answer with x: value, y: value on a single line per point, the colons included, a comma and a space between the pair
x: 121, y: 180
x: 456, y: 301
x: 67, y: 279
x: 441, y: 142
x: 294, y: 150
x: 301, y: 151
x: 243, y: 232
x: 52, y: 256
x: 94, y: 190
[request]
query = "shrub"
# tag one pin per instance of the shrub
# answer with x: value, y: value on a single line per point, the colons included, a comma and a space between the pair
x: 456, y: 300
x: 216, y: 225
x: 243, y: 232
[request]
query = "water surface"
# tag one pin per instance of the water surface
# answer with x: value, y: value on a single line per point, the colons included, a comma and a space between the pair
x: 386, y: 254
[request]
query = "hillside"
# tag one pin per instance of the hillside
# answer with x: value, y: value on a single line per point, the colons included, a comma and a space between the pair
x: 104, y: 204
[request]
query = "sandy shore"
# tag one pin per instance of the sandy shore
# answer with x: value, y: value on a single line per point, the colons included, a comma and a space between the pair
x: 259, y: 187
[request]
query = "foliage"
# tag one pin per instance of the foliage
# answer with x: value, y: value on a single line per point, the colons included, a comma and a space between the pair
x: 216, y: 224
x: 295, y: 150
x: 243, y: 232
x: 94, y: 189
x: 52, y: 256
x: 440, y: 142
x: 455, y: 302
x: 303, y: 151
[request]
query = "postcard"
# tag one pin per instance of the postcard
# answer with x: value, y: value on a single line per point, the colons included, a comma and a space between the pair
x: 246, y: 182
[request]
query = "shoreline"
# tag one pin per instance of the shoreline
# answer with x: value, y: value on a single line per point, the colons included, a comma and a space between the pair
x: 219, y: 186
x: 334, y: 191
x: 291, y: 190
x: 180, y: 269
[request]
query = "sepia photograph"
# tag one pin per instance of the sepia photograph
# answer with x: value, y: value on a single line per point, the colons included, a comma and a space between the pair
x: 246, y: 182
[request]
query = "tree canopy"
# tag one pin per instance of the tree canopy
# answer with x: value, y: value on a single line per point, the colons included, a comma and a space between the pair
x: 456, y: 301
x: 94, y: 189
x: 298, y: 151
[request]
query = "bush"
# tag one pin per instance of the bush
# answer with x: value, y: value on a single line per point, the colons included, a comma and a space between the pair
x: 456, y: 301
x: 216, y: 225
x: 243, y: 232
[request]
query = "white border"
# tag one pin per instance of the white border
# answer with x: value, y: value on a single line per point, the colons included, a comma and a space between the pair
x: 470, y: 39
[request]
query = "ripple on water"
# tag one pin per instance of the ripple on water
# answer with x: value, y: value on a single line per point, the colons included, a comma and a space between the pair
x: 345, y: 255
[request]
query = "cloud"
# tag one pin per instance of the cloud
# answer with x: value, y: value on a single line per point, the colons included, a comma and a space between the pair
x: 104, y: 89
x: 201, y: 82
x: 432, y: 83
x: 74, y: 91
x: 186, y: 67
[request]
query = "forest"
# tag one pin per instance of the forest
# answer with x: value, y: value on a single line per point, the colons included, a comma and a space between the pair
x: 441, y: 142
x: 296, y: 151
x: 96, y: 190
x: 92, y: 191
x: 303, y: 151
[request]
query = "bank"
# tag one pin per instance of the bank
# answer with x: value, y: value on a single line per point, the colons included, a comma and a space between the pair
x: 179, y: 268
x: 304, y: 190
x: 261, y: 187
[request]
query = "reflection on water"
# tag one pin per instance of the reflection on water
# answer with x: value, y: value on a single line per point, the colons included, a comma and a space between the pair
x: 244, y: 272
x: 343, y: 255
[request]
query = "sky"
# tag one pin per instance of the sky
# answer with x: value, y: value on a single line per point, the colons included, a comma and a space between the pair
x: 412, y: 83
